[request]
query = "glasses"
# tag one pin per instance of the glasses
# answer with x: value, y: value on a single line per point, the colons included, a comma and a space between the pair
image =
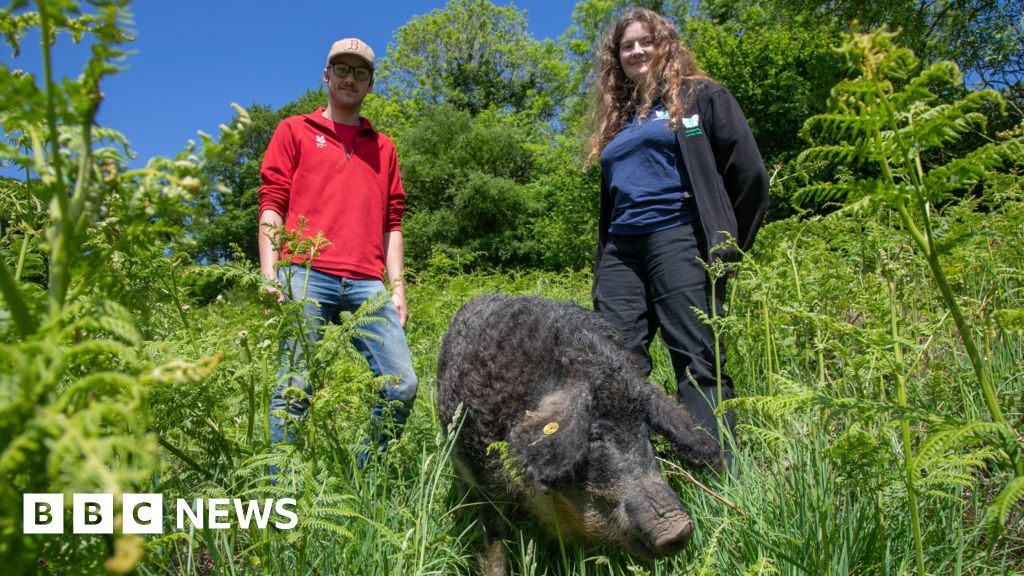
x: 358, y: 72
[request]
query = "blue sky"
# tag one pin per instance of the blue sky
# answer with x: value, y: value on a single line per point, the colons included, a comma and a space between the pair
x: 192, y: 58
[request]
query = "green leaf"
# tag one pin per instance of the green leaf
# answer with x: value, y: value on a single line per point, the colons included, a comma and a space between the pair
x: 1010, y: 320
x: 940, y: 444
x: 1003, y: 505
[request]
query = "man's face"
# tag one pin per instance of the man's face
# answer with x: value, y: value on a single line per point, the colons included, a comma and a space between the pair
x: 346, y: 91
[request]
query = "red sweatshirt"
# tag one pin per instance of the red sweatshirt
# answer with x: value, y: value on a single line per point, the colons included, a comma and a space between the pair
x: 352, y: 196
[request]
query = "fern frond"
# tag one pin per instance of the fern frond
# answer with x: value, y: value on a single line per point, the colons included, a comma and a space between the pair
x: 770, y: 407
x: 240, y: 273
x: 709, y: 554
x: 772, y: 440
x: 91, y: 350
x: 941, y: 126
x: 318, y: 524
x: 1010, y: 320
x: 964, y: 173
x: 955, y: 470
x: 940, y: 73
x: 20, y: 450
x: 509, y: 464
x: 98, y: 384
x: 334, y: 511
x: 837, y: 191
x: 841, y: 127
x: 763, y: 567
x: 837, y: 154
x: 854, y: 95
x: 11, y: 356
x: 181, y: 371
x: 941, y: 443
x: 821, y: 194
x: 101, y: 316
x: 1004, y: 504
x: 258, y: 465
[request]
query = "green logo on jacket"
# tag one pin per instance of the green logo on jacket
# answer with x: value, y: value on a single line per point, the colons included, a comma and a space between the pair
x: 692, y: 126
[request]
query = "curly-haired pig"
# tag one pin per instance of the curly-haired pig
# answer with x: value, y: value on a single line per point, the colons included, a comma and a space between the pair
x: 555, y: 383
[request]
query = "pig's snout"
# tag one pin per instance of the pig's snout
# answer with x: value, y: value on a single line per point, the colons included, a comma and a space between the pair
x: 671, y: 540
x: 662, y: 527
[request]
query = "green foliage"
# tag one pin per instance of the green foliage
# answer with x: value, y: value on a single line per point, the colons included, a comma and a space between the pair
x: 849, y: 363
x: 815, y: 305
x: 513, y: 471
x: 1004, y: 505
x: 984, y: 38
x: 74, y: 404
x: 779, y: 69
x: 466, y: 183
x: 565, y: 233
x: 884, y: 121
x: 474, y: 56
x: 225, y: 219
x: 72, y: 416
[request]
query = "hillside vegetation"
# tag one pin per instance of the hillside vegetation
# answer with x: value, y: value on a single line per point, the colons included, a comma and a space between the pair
x: 875, y: 332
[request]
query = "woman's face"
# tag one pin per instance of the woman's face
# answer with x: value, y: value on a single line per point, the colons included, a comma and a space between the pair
x: 636, y: 48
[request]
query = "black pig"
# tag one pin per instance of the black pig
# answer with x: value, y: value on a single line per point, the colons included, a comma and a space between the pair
x: 555, y: 382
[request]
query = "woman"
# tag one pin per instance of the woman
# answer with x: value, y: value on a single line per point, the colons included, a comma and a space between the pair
x: 680, y: 176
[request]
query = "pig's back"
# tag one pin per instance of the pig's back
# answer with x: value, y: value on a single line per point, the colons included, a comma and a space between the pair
x: 502, y: 353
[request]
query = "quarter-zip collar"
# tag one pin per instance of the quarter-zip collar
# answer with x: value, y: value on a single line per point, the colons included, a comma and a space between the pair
x: 326, y: 125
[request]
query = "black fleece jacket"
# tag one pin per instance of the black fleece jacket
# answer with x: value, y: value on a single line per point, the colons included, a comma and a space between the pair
x: 730, y: 183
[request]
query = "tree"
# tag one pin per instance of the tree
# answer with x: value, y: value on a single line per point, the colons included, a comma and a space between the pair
x: 780, y: 70
x: 466, y: 179
x: 984, y: 37
x: 226, y: 218
x: 474, y: 55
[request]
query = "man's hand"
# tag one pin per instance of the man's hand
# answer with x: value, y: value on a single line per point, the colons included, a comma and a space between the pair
x: 270, y: 222
x: 398, y: 299
x: 270, y: 293
x: 275, y: 293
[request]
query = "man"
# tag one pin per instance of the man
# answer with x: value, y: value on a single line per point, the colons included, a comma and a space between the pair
x: 335, y: 171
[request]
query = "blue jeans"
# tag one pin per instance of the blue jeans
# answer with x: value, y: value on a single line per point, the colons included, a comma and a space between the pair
x: 382, y: 343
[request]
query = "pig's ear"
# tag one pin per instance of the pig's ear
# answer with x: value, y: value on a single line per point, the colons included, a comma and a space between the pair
x: 550, y: 442
x: 694, y: 444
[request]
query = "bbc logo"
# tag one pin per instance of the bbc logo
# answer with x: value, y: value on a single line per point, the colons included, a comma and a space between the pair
x: 144, y: 513
x: 93, y: 513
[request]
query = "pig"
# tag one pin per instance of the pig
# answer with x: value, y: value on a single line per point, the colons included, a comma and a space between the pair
x: 556, y: 384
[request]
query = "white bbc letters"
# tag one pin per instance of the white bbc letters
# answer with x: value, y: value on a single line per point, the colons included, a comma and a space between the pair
x: 143, y: 513
x: 293, y: 519
x: 43, y: 513
x: 195, y: 516
x: 92, y: 514
x: 218, y: 508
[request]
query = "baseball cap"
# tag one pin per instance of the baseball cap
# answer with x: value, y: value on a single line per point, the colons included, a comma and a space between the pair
x: 353, y: 46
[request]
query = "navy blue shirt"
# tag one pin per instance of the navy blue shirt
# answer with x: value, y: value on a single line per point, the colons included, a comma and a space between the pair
x: 644, y: 171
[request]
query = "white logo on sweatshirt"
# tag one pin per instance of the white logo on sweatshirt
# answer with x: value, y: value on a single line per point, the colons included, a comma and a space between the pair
x: 321, y: 142
x: 691, y: 122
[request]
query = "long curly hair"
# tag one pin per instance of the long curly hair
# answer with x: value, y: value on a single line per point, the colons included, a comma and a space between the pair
x: 615, y: 99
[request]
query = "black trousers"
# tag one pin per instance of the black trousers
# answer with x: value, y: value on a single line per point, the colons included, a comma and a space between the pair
x: 651, y: 281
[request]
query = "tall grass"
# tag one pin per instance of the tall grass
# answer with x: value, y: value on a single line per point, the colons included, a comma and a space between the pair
x: 820, y: 489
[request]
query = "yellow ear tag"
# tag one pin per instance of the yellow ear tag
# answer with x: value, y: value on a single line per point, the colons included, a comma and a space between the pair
x: 550, y: 428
